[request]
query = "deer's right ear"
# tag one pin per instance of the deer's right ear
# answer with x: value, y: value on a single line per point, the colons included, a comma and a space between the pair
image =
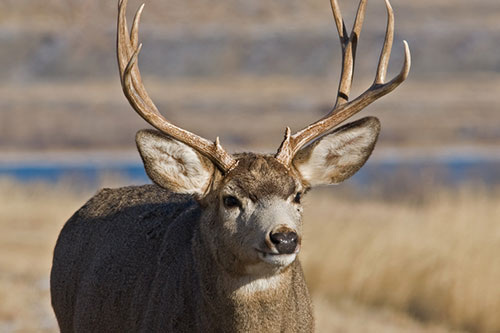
x: 173, y: 165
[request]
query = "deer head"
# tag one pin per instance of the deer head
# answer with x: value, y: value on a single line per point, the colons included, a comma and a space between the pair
x: 252, y: 202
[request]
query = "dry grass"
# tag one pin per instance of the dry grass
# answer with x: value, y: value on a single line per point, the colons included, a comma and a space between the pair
x: 373, y: 266
x: 348, y: 316
x: 30, y: 220
x: 436, y: 260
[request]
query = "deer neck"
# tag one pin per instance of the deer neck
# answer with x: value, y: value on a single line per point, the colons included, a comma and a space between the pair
x: 241, y: 302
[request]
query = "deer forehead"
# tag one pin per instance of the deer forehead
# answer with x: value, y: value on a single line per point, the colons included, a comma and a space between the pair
x: 260, y: 176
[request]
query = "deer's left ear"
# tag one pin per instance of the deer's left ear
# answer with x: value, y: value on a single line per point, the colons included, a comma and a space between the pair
x: 338, y: 155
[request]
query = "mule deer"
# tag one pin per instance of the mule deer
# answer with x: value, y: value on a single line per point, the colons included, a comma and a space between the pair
x: 213, y: 245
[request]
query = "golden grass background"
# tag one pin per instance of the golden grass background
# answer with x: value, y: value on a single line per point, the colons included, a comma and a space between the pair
x: 372, y: 265
x: 421, y: 259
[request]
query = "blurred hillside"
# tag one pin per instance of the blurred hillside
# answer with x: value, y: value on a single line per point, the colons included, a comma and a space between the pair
x: 243, y: 70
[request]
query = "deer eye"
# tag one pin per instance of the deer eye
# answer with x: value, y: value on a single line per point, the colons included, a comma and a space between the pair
x: 231, y: 202
x: 297, y: 198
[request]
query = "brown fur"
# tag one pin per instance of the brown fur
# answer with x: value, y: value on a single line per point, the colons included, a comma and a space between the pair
x: 259, y: 176
x: 142, y: 259
x: 146, y: 259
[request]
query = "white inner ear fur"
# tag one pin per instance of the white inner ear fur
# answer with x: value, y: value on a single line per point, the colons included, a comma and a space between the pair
x: 339, y: 155
x: 172, y: 164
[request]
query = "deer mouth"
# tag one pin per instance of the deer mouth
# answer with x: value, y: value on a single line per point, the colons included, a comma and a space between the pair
x: 277, y: 259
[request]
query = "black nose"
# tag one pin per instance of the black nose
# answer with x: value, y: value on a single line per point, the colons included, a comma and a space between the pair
x: 285, y: 242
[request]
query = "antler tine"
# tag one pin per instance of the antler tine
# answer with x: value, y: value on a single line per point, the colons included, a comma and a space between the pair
x: 343, y: 109
x: 339, y: 22
x: 127, y: 45
x: 386, y: 50
x: 122, y: 42
x: 127, y: 52
x: 134, y: 33
x: 349, y: 44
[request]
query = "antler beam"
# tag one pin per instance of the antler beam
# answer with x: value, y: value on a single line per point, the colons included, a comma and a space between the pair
x: 127, y: 51
x: 344, y: 109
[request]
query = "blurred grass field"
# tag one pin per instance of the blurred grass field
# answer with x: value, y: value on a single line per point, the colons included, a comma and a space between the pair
x: 422, y: 258
x: 237, y: 69
x: 372, y: 265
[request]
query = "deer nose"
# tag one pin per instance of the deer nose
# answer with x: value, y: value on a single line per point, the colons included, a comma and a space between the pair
x: 285, y: 241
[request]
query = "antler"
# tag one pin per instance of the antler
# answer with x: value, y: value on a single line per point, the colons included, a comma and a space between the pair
x: 344, y: 109
x: 133, y: 88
